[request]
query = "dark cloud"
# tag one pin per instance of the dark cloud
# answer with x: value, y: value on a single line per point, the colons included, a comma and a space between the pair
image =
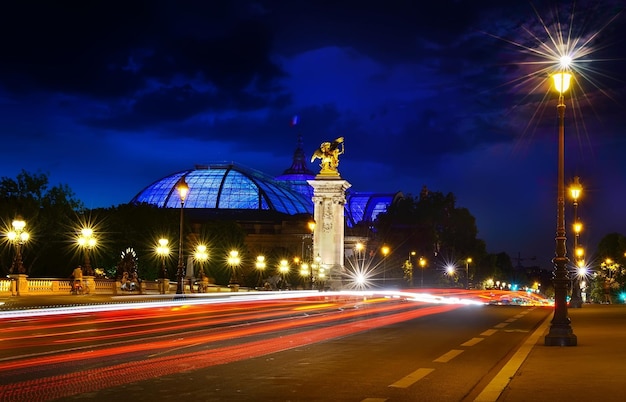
x: 443, y: 93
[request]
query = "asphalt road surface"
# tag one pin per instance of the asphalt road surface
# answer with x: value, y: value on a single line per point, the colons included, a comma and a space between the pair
x: 311, y: 349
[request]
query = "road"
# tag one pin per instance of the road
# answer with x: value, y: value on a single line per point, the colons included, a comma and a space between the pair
x: 317, y: 348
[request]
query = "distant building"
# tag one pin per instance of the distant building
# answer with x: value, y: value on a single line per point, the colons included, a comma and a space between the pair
x: 272, y: 210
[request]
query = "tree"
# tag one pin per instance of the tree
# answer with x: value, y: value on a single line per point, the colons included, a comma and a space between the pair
x: 138, y: 227
x: 47, y: 212
x: 610, y: 276
x: 432, y: 226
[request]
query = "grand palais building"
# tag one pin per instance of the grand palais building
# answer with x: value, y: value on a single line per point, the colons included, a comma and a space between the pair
x: 272, y: 211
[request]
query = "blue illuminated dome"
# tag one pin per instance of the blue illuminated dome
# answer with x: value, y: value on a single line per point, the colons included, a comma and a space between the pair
x: 226, y: 186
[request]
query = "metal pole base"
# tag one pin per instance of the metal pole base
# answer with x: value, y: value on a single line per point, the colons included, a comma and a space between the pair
x: 560, y: 336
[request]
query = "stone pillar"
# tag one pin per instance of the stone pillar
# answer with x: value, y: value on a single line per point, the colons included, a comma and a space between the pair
x: 164, y: 286
x: 89, y: 283
x: 329, y: 199
x: 19, y: 284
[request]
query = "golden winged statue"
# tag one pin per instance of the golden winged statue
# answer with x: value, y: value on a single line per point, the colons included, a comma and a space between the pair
x: 329, y: 153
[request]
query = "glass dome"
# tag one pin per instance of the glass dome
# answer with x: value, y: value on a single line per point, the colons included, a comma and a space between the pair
x: 226, y: 186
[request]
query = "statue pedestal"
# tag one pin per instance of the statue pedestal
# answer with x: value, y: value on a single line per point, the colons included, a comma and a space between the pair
x: 329, y: 199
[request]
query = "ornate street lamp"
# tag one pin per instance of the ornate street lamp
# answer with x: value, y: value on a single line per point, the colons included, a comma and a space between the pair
x: 18, y: 236
x: 468, y: 261
x: 163, y: 250
x: 575, y: 190
x: 410, y: 267
x: 260, y: 267
x: 561, y: 333
x: 87, y: 242
x: 283, y: 268
x: 422, y: 266
x: 305, y: 271
x: 385, y: 250
x: 233, y: 261
x: 201, y: 256
x: 183, y: 189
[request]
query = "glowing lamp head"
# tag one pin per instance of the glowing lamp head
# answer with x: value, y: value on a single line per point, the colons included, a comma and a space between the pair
x: 182, y: 188
x: 576, y: 188
x: 260, y: 262
x: 18, y: 224
x: 561, y: 81
x: 580, y: 252
x: 385, y: 250
x: 565, y: 61
x: 578, y: 227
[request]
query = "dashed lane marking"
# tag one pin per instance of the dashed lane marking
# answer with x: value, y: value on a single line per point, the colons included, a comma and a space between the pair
x: 472, y: 342
x: 501, y: 325
x: 489, y: 332
x: 446, y: 357
x: 412, y: 378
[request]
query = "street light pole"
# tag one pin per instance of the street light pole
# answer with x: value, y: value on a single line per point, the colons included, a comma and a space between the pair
x: 422, y: 266
x: 233, y: 261
x: 163, y: 250
x: 576, y: 301
x: 467, y: 263
x: 260, y: 267
x: 87, y: 241
x: 385, y: 250
x: 183, y: 190
x: 560, y: 333
x: 18, y: 236
x: 410, y: 267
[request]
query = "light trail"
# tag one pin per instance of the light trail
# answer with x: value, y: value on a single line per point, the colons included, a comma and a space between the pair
x: 92, y: 380
x: 214, y: 335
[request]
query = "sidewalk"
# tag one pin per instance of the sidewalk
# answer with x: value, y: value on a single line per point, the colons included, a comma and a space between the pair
x: 591, y: 371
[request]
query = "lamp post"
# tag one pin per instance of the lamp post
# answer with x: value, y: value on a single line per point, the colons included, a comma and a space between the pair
x: 385, y: 250
x: 305, y: 271
x: 422, y: 266
x: 233, y: 261
x: 316, y: 274
x: 87, y: 241
x: 183, y: 190
x: 359, y: 247
x: 575, y: 190
x: 18, y: 236
x: 283, y: 268
x: 163, y: 251
x: 201, y: 256
x: 467, y: 263
x: 260, y: 267
x: 410, y: 267
x: 561, y: 333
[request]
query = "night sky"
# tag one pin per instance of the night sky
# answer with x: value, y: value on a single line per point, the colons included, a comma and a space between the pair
x: 110, y: 96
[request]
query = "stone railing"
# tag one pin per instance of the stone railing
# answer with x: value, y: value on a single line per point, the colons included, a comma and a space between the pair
x: 22, y: 285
